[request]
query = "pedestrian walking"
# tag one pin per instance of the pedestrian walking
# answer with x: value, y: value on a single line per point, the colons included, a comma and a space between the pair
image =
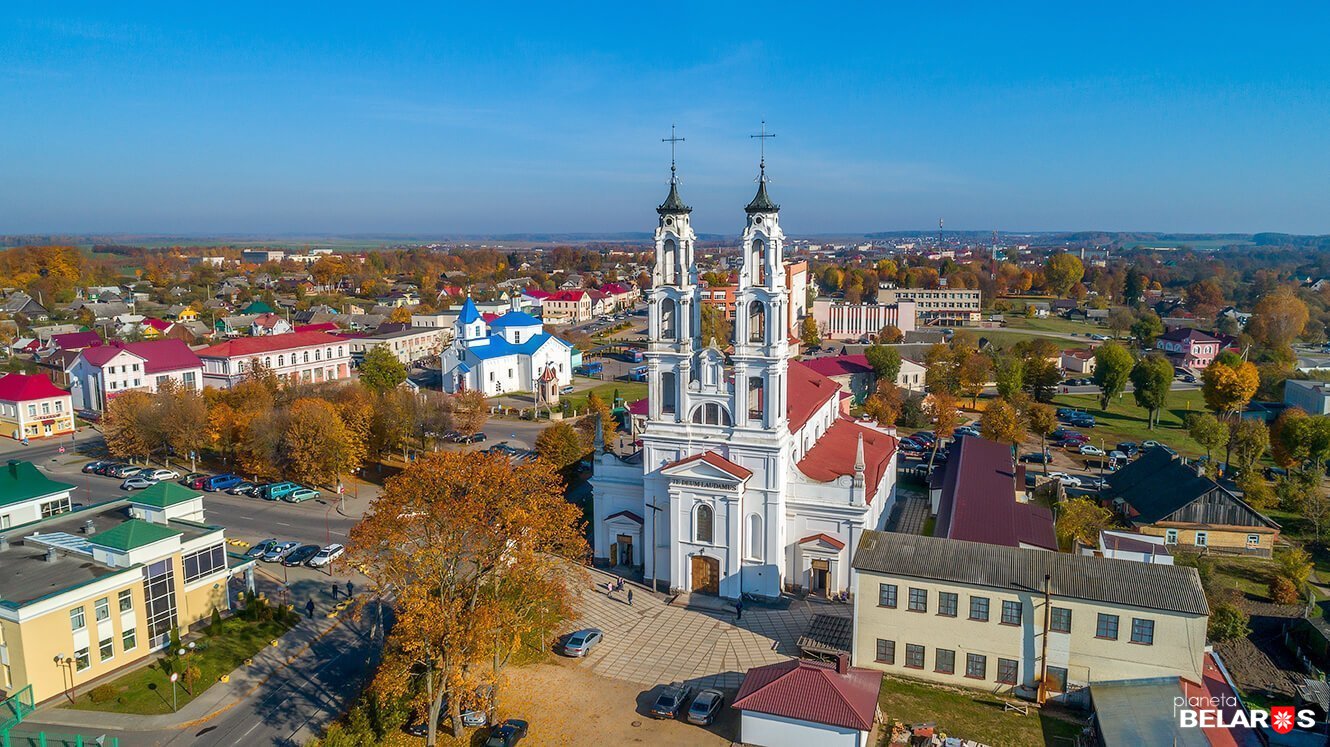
x: 309, y: 608
x: 350, y: 589
x: 334, y: 590
x: 739, y: 609
x: 630, y: 597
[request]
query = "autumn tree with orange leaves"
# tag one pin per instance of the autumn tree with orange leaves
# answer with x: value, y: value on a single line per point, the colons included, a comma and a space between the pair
x: 474, y: 552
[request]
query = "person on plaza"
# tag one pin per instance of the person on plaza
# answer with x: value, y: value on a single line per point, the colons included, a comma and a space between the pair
x: 739, y: 609
x: 350, y: 589
x: 334, y: 590
x: 630, y: 597
x: 309, y: 608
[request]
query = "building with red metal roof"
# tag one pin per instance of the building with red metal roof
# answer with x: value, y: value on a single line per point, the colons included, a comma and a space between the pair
x: 983, y: 498
x: 104, y: 371
x: 800, y: 702
x: 32, y: 407
x: 299, y: 357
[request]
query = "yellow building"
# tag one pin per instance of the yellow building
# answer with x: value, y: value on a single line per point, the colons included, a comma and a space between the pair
x: 998, y: 618
x: 32, y: 407
x: 89, y: 592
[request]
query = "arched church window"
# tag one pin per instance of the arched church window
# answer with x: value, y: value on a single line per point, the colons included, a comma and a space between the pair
x: 669, y: 392
x: 704, y: 524
x: 669, y: 319
x: 757, y: 261
x: 711, y: 414
x: 757, y: 322
x: 756, y: 397
x: 755, y: 538
x: 669, y: 270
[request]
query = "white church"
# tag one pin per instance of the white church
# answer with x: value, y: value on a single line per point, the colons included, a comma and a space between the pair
x: 751, y: 478
x: 510, y: 353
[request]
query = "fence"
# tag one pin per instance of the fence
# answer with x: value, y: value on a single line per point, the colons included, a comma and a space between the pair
x: 44, y: 739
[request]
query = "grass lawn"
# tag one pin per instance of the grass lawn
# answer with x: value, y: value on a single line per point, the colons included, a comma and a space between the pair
x: 971, y: 715
x: 1249, y: 576
x: 1056, y: 324
x: 147, y: 690
x: 630, y: 391
x: 1124, y: 421
x: 1007, y: 337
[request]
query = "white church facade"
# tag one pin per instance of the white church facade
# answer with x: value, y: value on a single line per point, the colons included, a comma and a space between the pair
x: 751, y: 478
x: 510, y: 353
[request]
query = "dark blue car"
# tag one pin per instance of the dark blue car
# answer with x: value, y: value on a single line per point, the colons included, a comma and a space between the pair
x: 222, y: 482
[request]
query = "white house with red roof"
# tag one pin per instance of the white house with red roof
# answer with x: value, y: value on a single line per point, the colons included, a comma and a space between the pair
x: 567, y: 306
x: 796, y: 703
x: 104, y: 371
x: 750, y: 477
x: 298, y: 357
x: 270, y: 324
x: 1189, y: 348
x: 32, y: 407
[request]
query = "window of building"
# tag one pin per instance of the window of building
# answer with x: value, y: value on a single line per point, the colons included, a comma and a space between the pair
x: 46, y: 408
x: 756, y: 539
x: 77, y: 620
x: 32, y: 411
x: 106, y: 648
x: 886, y: 651
x: 976, y: 666
x: 1061, y: 620
x: 159, y: 599
x: 129, y: 640
x: 918, y: 600
x: 1142, y: 631
x: 1202, y: 539
x: 1057, y: 679
x: 1008, y: 671
x: 58, y: 506
x: 82, y: 659
x: 944, y: 661
x: 101, y: 609
x: 126, y: 600
x: 979, y: 608
x: 704, y: 520
x: 1106, y: 627
x: 1011, y: 612
x: 886, y: 595
x: 914, y: 656
x: 204, y: 562
x: 947, y: 603
x: 1171, y: 537
x: 1253, y: 540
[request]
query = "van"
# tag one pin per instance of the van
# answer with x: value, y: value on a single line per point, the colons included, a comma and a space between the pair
x: 221, y: 482
x: 279, y: 490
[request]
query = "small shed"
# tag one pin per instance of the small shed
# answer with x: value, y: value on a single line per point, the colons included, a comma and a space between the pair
x: 797, y: 703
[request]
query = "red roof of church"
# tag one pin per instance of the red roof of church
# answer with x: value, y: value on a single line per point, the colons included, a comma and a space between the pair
x: 839, y: 365
x: 269, y: 344
x: 823, y: 537
x: 717, y: 461
x: 807, y: 391
x: 17, y: 387
x: 835, y: 452
x: 812, y: 691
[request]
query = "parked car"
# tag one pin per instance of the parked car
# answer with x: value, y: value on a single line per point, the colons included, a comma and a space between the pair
x: 1091, y: 450
x: 91, y: 416
x: 137, y: 483
x: 299, y: 495
x: 191, y: 477
x: 507, y: 734
x: 123, y: 470
x: 1150, y: 444
x: 474, y: 438
x: 244, y: 487
x: 326, y: 555
x: 222, y: 482
x: 279, y: 551
x: 1272, y: 473
x: 1068, y: 481
x: 300, y: 555
x: 105, y: 468
x: 157, y: 475
x: 1083, y: 421
x: 967, y: 430
x: 706, y: 706
x: 581, y: 642
x: 275, y: 491
x: 1092, y: 482
x: 1129, y: 448
x: 1037, y: 457
x: 259, y: 549
x: 93, y: 466
x: 670, y: 701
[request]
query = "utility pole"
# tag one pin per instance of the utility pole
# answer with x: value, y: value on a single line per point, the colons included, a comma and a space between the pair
x: 1043, y: 656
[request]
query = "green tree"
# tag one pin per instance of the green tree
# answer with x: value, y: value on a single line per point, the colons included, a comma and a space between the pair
x: 1081, y: 520
x: 1229, y: 622
x: 1009, y: 372
x: 1247, y: 442
x: 1152, y: 379
x: 886, y: 362
x: 1208, y: 431
x: 1146, y: 328
x: 1133, y: 286
x: 1120, y: 320
x: 380, y: 370
x: 1062, y: 271
x: 562, y: 445
x: 1043, y: 420
x: 1112, y: 369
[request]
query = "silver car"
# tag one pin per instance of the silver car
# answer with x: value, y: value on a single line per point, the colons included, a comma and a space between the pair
x: 279, y: 551
x: 137, y: 483
x: 706, y: 706
x: 580, y: 643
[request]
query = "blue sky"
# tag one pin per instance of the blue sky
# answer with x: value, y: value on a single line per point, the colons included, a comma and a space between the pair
x: 375, y: 118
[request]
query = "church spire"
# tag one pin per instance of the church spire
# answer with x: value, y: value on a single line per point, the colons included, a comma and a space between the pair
x: 673, y: 203
x: 762, y: 202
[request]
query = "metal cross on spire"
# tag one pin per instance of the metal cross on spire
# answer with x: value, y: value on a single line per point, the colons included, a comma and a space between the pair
x: 762, y: 142
x: 672, y: 140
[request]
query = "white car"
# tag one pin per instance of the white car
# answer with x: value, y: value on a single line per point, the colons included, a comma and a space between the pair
x: 325, y: 556
x: 1090, y: 450
x: 1068, y: 481
x: 158, y: 475
x: 137, y: 482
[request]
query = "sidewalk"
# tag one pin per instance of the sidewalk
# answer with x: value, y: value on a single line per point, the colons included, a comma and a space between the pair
x: 221, y: 697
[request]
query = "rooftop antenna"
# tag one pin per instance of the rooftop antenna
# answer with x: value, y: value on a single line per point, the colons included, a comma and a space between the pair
x: 762, y: 149
x: 939, y: 233
x: 672, y: 140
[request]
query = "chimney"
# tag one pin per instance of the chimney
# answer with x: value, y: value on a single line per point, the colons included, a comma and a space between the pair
x: 842, y: 663
x: 50, y: 555
x: 89, y: 527
x: 1200, y: 468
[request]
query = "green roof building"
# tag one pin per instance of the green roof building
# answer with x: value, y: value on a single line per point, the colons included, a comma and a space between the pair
x: 133, y: 534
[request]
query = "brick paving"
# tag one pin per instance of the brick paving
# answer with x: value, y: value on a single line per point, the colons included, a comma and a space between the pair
x: 910, y: 513
x: 652, y: 642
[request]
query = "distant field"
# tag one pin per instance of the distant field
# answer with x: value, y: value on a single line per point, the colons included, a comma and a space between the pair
x: 1202, y: 244
x: 1054, y: 324
x: 1009, y: 337
x: 1124, y: 421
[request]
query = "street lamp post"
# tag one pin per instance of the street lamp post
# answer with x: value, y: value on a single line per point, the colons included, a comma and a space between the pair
x: 175, y: 677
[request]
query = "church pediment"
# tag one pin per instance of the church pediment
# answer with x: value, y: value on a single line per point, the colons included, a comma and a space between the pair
x: 707, y: 467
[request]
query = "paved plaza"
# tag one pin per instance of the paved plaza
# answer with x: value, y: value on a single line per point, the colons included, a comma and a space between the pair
x: 652, y: 642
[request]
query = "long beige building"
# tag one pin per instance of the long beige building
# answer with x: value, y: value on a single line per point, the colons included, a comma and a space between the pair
x: 88, y: 592
x: 976, y: 615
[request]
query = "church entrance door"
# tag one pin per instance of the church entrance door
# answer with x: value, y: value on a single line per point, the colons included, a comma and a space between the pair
x: 818, y: 583
x: 706, y: 575
x: 625, y: 545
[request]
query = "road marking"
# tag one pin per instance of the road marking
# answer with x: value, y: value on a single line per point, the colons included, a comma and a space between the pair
x: 281, y: 523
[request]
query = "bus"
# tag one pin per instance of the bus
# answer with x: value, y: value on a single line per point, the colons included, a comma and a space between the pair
x: 589, y: 369
x: 633, y: 355
x: 637, y: 373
